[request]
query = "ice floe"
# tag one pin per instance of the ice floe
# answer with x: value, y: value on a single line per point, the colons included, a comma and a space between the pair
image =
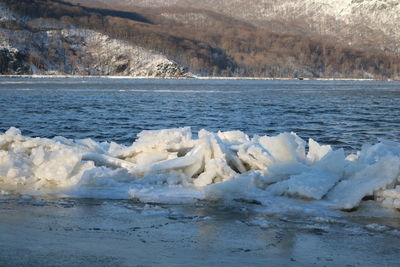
x: 174, y: 166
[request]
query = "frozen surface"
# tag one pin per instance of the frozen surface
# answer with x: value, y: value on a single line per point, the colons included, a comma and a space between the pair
x: 176, y: 166
x: 87, y: 232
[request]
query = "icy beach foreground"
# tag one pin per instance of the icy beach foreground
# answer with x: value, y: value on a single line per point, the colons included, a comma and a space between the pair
x: 65, y: 232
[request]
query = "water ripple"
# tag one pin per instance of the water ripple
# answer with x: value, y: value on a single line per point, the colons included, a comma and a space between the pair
x: 343, y: 114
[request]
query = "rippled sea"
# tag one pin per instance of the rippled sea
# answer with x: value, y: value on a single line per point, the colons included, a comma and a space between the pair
x: 345, y: 114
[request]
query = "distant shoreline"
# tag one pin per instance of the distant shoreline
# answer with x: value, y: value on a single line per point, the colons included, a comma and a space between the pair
x: 192, y: 77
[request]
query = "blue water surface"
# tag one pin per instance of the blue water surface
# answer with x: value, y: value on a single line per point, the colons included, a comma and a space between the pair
x: 345, y: 114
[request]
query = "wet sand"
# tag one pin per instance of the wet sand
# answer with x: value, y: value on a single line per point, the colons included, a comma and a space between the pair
x: 66, y: 232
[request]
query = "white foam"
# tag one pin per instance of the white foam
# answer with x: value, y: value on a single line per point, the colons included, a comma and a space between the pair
x: 173, y: 166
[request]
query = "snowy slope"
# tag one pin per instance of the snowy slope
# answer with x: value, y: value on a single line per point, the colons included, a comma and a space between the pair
x: 56, y: 49
x: 366, y: 23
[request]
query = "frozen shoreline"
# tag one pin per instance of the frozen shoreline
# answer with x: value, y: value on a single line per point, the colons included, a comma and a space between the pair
x: 190, y: 77
x: 122, y: 233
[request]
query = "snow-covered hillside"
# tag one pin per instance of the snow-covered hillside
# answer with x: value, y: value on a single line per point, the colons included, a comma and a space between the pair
x: 306, y: 38
x: 366, y: 23
x: 56, y: 49
x: 355, y: 20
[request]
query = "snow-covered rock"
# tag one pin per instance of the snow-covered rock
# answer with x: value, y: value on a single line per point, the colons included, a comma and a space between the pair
x: 56, y: 49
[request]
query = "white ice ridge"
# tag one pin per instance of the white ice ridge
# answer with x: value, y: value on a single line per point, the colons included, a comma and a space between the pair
x: 171, y: 166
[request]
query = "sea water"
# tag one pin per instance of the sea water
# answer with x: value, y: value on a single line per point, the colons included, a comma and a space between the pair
x: 345, y: 114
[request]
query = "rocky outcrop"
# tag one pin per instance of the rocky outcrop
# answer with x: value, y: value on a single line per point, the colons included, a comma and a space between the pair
x: 101, y: 55
x: 13, y: 61
x: 33, y: 47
